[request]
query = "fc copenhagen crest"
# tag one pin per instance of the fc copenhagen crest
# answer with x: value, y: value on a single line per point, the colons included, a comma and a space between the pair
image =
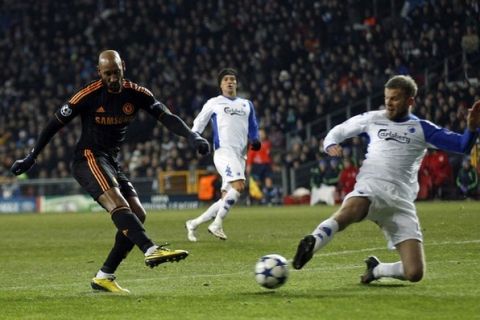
x: 128, y: 108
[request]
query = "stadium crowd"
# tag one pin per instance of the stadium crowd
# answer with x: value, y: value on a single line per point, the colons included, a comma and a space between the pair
x: 298, y: 60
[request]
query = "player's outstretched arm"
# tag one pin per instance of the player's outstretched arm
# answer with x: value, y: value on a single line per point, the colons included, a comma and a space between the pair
x: 178, y: 126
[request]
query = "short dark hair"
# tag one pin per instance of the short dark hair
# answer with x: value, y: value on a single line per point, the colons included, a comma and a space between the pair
x: 404, y: 83
x: 224, y: 72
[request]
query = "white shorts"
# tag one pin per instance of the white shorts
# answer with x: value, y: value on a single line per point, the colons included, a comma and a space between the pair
x: 229, y: 165
x: 393, y: 212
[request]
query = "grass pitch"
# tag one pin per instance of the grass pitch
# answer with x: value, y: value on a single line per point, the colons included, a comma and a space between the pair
x: 47, y: 261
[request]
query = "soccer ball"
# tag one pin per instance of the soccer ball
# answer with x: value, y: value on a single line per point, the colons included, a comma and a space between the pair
x: 271, y: 271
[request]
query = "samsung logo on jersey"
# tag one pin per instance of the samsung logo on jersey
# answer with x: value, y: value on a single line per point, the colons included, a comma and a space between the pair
x: 234, y: 111
x: 389, y: 135
x: 113, y: 120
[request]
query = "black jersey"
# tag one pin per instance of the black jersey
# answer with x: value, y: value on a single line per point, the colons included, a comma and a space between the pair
x: 106, y: 116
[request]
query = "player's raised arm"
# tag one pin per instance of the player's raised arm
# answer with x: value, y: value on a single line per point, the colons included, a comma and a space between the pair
x: 451, y: 141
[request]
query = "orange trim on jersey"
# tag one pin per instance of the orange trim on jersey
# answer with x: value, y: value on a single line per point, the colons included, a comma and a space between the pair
x: 97, y: 173
x: 136, y: 87
x: 88, y: 89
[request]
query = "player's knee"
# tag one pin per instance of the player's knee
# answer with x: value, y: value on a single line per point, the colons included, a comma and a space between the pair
x: 141, y: 215
x: 137, y: 209
x: 239, y: 186
x: 414, y: 274
x: 112, y: 199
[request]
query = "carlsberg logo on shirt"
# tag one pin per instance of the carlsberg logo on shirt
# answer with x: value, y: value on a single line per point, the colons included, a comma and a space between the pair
x: 389, y: 135
x: 234, y: 111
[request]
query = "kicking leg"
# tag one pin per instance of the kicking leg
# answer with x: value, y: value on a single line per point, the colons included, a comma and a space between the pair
x: 122, y: 245
x: 354, y: 209
x: 132, y: 228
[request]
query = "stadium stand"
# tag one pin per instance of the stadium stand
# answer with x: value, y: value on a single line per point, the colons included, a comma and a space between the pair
x: 299, y: 61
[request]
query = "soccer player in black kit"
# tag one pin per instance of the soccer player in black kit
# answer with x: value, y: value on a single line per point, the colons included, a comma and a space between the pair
x: 107, y: 107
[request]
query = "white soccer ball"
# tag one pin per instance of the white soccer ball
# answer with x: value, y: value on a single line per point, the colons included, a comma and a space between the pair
x: 271, y: 271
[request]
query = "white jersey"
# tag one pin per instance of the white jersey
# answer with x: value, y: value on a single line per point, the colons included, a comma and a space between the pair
x: 396, y: 149
x: 233, y: 123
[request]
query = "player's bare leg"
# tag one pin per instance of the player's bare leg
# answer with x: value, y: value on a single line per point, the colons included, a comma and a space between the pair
x: 411, y: 267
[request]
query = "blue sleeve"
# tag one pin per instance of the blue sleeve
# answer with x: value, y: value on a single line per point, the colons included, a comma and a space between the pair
x: 447, y: 140
x: 252, y: 124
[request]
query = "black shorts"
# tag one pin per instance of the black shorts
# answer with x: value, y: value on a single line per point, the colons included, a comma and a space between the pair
x: 98, y: 173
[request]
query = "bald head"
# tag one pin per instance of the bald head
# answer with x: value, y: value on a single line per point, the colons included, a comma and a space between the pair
x: 110, y: 69
x: 108, y: 57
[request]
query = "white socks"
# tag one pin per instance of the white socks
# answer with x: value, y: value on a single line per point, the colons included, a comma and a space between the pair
x: 208, y: 215
x: 228, y: 201
x: 392, y: 270
x: 151, y: 250
x: 324, y: 233
x: 217, y: 210
x: 103, y: 275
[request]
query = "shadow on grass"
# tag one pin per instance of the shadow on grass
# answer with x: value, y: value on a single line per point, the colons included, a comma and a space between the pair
x: 384, y: 285
x: 339, y: 292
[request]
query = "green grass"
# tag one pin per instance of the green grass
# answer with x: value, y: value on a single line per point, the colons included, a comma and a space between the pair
x: 47, y: 261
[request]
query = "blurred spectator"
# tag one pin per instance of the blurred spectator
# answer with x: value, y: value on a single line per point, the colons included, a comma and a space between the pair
x: 439, y: 169
x: 470, y: 43
x: 323, y: 182
x: 319, y: 191
x: 317, y: 174
x: 209, y: 186
x: 467, y: 180
x: 259, y: 163
x: 347, y: 178
x: 333, y: 173
x: 425, y: 182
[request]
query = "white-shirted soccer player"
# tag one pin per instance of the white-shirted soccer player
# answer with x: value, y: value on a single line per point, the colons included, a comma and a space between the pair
x: 234, y: 125
x: 387, y: 182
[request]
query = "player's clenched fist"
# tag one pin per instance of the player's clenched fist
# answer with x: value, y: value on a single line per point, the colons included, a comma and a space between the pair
x: 200, y: 143
x: 22, y: 165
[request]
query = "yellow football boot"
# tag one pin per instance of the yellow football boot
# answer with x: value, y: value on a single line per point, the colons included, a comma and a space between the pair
x: 108, y: 285
x: 163, y: 254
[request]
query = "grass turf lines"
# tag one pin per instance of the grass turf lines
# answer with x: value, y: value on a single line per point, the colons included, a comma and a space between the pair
x: 48, y: 260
